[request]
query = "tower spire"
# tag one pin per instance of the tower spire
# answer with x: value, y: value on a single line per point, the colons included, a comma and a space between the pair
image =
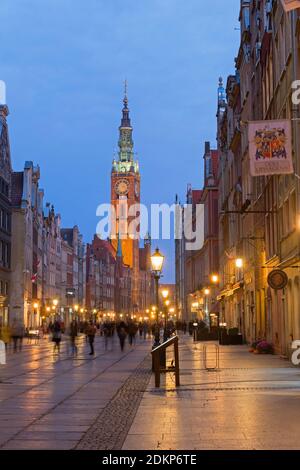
x: 125, y: 122
x: 125, y: 88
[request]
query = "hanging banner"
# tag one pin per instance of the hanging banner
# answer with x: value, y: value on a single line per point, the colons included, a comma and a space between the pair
x: 270, y: 147
x: 290, y: 5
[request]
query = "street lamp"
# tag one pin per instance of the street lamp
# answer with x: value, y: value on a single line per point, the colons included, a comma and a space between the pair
x: 165, y: 316
x: 215, y: 278
x: 207, y: 293
x: 239, y: 263
x: 165, y: 293
x: 157, y: 261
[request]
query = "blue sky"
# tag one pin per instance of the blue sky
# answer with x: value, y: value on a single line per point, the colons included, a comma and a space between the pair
x: 64, y: 63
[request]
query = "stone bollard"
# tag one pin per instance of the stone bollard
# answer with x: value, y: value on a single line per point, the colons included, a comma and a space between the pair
x: 2, y: 353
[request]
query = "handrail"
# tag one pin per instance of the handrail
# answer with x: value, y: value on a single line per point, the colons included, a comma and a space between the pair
x: 166, y: 344
x: 156, y: 360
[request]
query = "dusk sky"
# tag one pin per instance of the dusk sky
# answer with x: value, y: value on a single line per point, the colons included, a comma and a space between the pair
x: 64, y: 63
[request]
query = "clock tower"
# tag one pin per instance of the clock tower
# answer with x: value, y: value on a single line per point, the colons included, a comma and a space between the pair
x: 125, y: 192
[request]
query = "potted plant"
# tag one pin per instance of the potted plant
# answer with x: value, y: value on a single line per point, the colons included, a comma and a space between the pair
x: 264, y: 347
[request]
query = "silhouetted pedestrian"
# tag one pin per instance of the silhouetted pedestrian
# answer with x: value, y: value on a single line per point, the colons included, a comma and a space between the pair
x: 56, y: 336
x: 17, y: 334
x: 122, y: 335
x: 91, y: 333
x: 73, y: 336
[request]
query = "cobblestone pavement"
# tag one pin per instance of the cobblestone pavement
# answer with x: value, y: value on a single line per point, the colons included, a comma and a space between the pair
x: 251, y: 402
x: 50, y: 402
x: 111, y: 427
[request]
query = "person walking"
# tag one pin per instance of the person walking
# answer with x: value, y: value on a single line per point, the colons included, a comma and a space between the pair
x: 56, y: 336
x: 145, y: 329
x: 73, y: 336
x: 122, y: 335
x: 17, y: 334
x: 131, y: 332
x: 107, y: 333
x: 91, y: 333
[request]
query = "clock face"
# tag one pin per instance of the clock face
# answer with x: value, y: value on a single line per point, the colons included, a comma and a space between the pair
x: 122, y: 187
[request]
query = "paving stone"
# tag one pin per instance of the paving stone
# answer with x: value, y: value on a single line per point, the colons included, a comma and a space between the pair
x: 112, y: 425
x: 252, y: 402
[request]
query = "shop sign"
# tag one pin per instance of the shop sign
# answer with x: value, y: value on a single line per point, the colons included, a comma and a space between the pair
x: 278, y: 279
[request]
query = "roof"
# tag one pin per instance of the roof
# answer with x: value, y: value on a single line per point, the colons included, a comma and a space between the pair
x: 16, y: 188
x: 67, y: 235
x: 215, y: 162
x: 102, y: 247
x: 196, y: 195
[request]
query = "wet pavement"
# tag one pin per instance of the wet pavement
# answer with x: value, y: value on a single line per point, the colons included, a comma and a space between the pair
x: 251, y: 402
x: 49, y: 401
x: 109, y: 401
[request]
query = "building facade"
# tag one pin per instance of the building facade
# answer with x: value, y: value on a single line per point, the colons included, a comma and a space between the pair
x: 196, y: 294
x: 5, y: 216
x: 262, y: 211
x: 48, y: 263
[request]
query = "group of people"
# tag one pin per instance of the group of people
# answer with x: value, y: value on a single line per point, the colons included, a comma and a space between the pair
x: 109, y: 330
x: 14, y: 334
x: 57, y: 329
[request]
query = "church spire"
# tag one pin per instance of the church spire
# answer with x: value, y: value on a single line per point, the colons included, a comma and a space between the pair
x: 125, y: 122
x: 126, y: 155
x: 126, y: 162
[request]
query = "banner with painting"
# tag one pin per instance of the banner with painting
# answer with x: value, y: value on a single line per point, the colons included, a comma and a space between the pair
x: 270, y: 147
x: 290, y: 5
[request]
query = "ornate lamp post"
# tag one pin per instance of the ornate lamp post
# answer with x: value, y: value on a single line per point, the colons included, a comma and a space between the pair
x: 165, y: 295
x: 157, y: 261
x: 206, y: 308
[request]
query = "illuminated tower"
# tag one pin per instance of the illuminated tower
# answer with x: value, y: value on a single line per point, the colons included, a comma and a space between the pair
x: 125, y: 192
